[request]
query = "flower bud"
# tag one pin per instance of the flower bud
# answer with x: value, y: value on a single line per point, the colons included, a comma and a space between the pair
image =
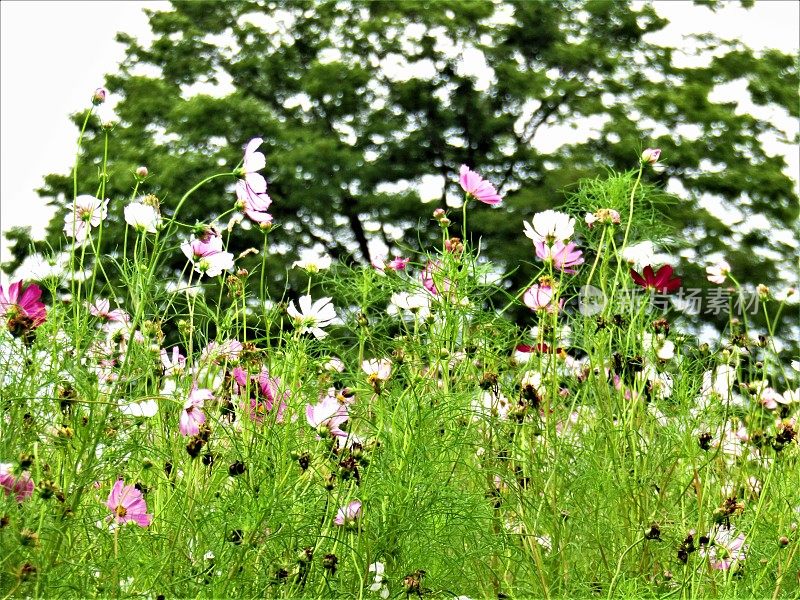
x: 651, y: 155
x: 99, y: 96
x: 141, y: 172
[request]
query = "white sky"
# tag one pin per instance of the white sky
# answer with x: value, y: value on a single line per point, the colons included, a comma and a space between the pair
x: 54, y: 54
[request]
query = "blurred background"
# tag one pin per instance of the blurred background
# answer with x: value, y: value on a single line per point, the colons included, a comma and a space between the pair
x: 367, y: 110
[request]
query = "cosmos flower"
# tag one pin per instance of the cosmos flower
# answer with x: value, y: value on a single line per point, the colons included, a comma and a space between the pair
x: 264, y: 391
x: 660, y: 281
x: 313, y: 264
x: 87, y: 212
x: 142, y: 217
x: 21, y: 486
x: 398, y: 263
x: 377, y: 369
x: 127, y: 505
x: 538, y: 297
x: 102, y: 310
x: 312, y: 317
x: 207, y: 255
x: 253, y: 161
x: 173, y: 363
x: 348, y: 514
x: 192, y: 415
x: 550, y: 226
x: 21, y: 309
x: 603, y: 215
x: 254, y: 205
x: 719, y: 272
x: 727, y: 549
x: 477, y: 187
x: 328, y: 415
x: 432, y: 280
x: 563, y: 257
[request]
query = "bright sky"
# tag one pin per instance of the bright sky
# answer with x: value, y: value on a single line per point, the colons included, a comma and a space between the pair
x: 54, y: 54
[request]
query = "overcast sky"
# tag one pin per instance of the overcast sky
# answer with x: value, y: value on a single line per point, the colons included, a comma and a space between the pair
x: 54, y: 54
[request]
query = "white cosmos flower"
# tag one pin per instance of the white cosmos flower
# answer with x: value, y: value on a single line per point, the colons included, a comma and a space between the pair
x: 87, y: 212
x: 146, y: 408
x: 313, y: 264
x: 718, y: 272
x: 641, y: 254
x: 550, y: 226
x: 418, y: 303
x: 312, y: 317
x: 142, y: 217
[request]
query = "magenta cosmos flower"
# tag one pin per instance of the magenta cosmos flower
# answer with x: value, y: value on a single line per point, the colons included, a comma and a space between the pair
x: 127, y: 505
x: 348, y: 514
x: 398, y: 263
x: 563, y: 256
x: 264, y: 391
x: 21, y: 486
x: 192, y: 415
x: 21, y: 308
x: 477, y: 187
x: 661, y: 281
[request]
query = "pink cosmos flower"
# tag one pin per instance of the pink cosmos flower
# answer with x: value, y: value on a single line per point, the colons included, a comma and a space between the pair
x: 102, y: 310
x: 348, y: 514
x: 539, y: 297
x: 477, y: 187
x: 434, y: 268
x: 127, y: 505
x: 563, y: 256
x: 22, y: 487
x: 327, y: 415
x: 192, y: 415
x: 21, y: 303
x: 254, y: 161
x: 398, y: 263
x: 265, y: 392
x: 255, y: 205
x: 207, y: 255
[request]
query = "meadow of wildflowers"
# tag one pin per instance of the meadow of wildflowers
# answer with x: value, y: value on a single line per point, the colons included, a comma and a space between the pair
x: 388, y: 431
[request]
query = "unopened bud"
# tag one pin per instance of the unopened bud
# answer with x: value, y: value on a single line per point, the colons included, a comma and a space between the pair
x: 141, y: 172
x: 651, y: 155
x: 763, y: 291
x: 99, y: 96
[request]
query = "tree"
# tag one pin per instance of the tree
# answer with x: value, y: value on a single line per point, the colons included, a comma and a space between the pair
x: 358, y: 102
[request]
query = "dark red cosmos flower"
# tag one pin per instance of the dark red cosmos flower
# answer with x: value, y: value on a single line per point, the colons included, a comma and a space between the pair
x: 660, y: 281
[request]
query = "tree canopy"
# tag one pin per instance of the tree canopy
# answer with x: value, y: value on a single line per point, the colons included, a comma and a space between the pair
x: 365, y: 107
